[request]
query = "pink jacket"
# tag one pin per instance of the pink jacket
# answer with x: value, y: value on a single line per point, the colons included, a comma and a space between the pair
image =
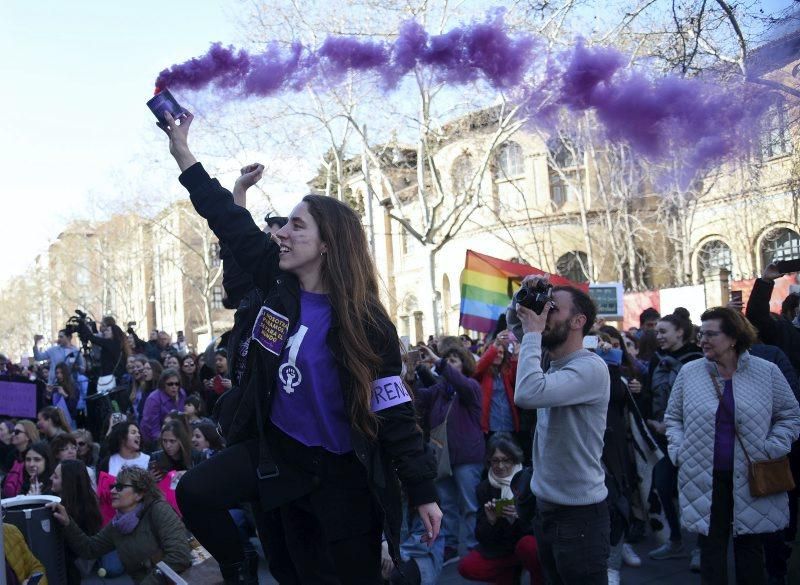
x: 12, y: 484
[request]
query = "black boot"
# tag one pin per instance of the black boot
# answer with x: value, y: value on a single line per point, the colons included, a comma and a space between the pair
x: 234, y: 573
x: 406, y: 574
x: 251, y: 561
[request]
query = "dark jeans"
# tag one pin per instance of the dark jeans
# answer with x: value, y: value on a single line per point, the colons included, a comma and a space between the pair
x: 665, y: 481
x: 209, y: 490
x: 747, y: 548
x: 329, y: 536
x: 573, y: 543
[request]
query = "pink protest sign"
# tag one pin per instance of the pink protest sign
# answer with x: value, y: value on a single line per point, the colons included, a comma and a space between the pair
x: 17, y: 399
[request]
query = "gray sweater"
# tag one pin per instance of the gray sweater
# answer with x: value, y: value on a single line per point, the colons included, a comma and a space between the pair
x: 572, y: 401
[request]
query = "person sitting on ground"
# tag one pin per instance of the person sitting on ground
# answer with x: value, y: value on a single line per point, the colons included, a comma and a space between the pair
x: 190, y: 377
x: 33, y: 478
x: 88, y: 450
x: 145, y: 529
x: 21, y: 565
x: 176, y: 453
x: 72, y: 483
x: 51, y: 421
x: 24, y: 434
x: 506, y: 544
x: 206, y: 440
x: 124, y: 447
x: 194, y: 410
x: 169, y: 396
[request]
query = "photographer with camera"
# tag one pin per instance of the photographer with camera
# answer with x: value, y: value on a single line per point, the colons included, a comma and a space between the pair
x: 114, y: 350
x: 62, y: 352
x: 572, y: 524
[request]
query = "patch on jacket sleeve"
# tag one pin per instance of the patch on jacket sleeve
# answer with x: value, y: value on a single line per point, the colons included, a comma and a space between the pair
x: 387, y: 392
x: 271, y: 330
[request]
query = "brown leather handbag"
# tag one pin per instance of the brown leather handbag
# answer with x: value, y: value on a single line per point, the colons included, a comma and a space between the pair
x: 767, y: 477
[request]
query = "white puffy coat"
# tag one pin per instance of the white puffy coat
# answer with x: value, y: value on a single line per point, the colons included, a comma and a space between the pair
x: 767, y: 420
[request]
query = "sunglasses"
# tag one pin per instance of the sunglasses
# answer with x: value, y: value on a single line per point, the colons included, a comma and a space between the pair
x: 118, y: 487
x: 172, y: 384
x: 81, y: 443
x: 19, y: 432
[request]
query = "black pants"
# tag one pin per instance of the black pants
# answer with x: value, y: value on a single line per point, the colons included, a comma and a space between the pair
x: 206, y: 493
x: 747, y: 548
x: 665, y: 481
x: 331, y: 535
x: 573, y: 543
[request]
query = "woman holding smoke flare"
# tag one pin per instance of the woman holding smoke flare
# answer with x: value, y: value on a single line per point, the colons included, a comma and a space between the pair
x: 323, y: 426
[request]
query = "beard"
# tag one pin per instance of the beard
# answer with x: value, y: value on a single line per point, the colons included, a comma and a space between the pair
x: 556, y: 335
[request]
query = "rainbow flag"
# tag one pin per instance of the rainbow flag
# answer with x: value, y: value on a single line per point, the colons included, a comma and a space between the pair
x: 487, y: 285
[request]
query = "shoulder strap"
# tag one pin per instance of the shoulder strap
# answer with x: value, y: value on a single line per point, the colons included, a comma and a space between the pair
x: 735, y: 430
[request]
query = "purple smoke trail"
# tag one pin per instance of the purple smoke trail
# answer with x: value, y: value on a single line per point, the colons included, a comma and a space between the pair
x: 669, y: 116
x: 461, y: 55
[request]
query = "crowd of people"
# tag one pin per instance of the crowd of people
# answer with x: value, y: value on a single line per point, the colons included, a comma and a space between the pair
x: 549, y: 446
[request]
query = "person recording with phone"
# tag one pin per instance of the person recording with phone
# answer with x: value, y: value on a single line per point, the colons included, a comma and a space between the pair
x: 324, y: 430
x: 572, y: 523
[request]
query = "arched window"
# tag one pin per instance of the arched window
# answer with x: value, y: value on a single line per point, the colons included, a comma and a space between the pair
x: 509, y: 162
x: 780, y: 244
x: 462, y: 172
x: 714, y: 254
x: 574, y: 265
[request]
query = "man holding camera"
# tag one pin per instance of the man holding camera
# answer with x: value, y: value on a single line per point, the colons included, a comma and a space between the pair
x: 62, y: 351
x: 572, y: 522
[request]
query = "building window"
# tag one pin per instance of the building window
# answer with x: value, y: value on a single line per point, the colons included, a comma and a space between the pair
x: 216, y: 297
x: 509, y: 162
x: 462, y: 172
x: 564, y: 172
x: 775, y: 139
x: 780, y: 244
x: 214, y: 254
x: 714, y: 254
x: 574, y: 265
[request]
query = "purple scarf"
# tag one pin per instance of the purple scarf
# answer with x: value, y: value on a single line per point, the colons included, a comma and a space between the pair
x: 128, y: 521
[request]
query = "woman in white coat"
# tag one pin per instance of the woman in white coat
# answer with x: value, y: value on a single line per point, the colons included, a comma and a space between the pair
x: 726, y: 393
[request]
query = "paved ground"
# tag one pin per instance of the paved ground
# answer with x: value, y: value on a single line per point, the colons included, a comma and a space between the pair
x: 672, y: 572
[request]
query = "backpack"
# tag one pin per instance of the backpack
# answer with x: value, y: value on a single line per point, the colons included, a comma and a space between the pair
x: 664, y: 377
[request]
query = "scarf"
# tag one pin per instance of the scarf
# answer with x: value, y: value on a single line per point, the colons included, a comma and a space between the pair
x: 126, y: 522
x: 504, y: 483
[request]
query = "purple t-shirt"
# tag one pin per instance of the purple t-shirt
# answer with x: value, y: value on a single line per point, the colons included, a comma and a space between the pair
x: 724, y: 435
x: 308, y: 403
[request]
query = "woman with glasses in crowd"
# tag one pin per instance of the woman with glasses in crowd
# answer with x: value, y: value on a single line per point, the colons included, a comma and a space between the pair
x: 725, y: 411
x: 506, y: 544
x: 144, y: 530
x: 345, y: 432
x: 23, y: 436
x: 168, y: 397
x: 190, y: 377
x: 88, y: 450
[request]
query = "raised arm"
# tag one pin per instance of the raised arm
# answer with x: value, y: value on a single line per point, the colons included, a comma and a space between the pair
x: 757, y: 311
x: 253, y: 250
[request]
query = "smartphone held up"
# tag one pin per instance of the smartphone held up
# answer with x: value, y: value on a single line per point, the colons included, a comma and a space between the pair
x: 163, y: 102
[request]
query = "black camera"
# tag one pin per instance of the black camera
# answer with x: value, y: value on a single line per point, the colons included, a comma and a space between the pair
x: 79, y: 322
x: 536, y: 296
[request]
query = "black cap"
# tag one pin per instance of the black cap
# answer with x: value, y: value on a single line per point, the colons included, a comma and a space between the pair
x: 275, y: 220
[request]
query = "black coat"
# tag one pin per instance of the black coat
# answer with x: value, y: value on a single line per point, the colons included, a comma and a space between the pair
x: 773, y: 330
x: 499, y: 540
x: 399, y: 451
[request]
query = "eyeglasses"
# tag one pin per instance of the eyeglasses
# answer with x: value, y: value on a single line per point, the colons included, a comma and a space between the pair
x: 172, y: 384
x: 708, y: 334
x: 500, y: 461
x: 81, y: 443
x: 19, y: 432
x: 118, y: 487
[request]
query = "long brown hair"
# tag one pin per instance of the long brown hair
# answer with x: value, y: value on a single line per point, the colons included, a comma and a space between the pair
x: 349, y: 276
x: 67, y: 382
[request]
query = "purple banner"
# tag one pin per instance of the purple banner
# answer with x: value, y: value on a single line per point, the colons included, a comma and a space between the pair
x: 17, y: 399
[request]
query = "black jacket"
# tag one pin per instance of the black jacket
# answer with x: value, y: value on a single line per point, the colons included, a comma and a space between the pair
x: 499, y: 540
x: 772, y: 329
x: 399, y: 451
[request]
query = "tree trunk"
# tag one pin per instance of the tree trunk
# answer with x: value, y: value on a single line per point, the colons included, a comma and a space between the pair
x: 434, y: 300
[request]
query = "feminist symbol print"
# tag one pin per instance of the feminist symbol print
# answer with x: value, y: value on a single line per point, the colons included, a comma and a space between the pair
x: 289, y: 374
